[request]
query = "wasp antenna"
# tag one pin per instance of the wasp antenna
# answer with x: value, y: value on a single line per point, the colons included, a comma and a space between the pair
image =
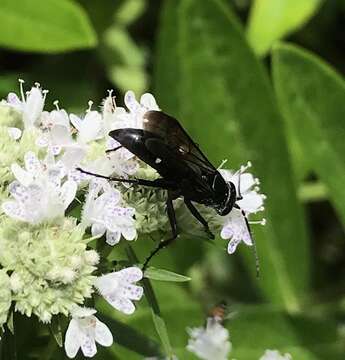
x: 256, y: 256
x: 257, y: 262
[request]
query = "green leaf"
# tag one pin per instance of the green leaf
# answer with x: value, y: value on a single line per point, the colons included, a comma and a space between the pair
x: 207, y: 76
x: 129, y: 11
x: 55, y: 329
x: 45, y: 26
x: 164, y: 275
x: 312, y: 96
x: 271, y: 20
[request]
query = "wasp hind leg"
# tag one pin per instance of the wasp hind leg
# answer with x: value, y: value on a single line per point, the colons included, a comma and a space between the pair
x: 173, y: 224
x: 194, y: 211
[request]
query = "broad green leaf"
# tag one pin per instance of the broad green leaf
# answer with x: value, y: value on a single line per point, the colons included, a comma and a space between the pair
x: 45, y: 26
x: 165, y: 275
x: 271, y: 20
x: 207, y: 76
x: 55, y: 330
x: 312, y: 96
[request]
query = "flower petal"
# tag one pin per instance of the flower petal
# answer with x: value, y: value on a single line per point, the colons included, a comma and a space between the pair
x: 113, y: 237
x: 72, y: 339
x: 32, y: 164
x: 129, y: 233
x: 131, y: 102
x: 67, y: 192
x: 88, y: 343
x: 124, y: 305
x: 233, y: 245
x: 131, y: 274
x: 148, y: 101
x: 102, y: 334
x: 24, y: 177
x: 226, y: 232
x: 14, y: 210
x: 132, y: 292
x: 61, y: 135
x: 33, y: 107
x: 97, y: 229
x: 252, y: 202
x: 18, y: 191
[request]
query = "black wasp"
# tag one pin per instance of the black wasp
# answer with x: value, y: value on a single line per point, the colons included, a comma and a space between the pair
x: 184, y: 169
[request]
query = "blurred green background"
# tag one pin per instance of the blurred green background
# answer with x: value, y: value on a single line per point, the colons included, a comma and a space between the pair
x: 253, y: 80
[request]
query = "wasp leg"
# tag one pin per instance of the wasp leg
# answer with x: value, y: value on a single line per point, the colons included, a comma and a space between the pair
x: 158, y: 183
x: 199, y: 217
x: 257, y: 264
x: 115, y: 149
x: 173, y: 224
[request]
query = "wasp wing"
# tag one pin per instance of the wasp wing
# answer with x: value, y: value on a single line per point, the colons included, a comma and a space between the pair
x: 177, y: 140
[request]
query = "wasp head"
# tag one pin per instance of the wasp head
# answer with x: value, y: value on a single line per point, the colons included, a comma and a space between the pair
x: 227, y: 195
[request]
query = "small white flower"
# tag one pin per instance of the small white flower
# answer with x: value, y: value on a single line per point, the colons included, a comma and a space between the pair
x: 275, y: 355
x: 234, y: 225
x: 211, y: 342
x: 90, y: 127
x: 83, y: 331
x: 38, y: 191
x: 235, y: 229
x: 31, y: 105
x: 118, y: 288
x: 105, y: 214
x: 57, y: 132
x: 133, y: 118
x: 252, y: 201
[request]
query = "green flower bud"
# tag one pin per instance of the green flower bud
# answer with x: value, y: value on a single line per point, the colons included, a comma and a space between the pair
x: 9, y: 116
x: 51, y: 268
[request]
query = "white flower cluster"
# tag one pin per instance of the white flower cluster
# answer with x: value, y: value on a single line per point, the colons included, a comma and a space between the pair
x: 41, y: 183
x: 39, y: 189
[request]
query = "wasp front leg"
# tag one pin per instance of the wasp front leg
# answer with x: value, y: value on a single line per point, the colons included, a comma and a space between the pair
x: 194, y: 211
x: 174, y: 231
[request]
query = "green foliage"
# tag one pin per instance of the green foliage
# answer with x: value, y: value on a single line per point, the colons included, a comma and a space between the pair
x: 45, y: 26
x: 313, y: 118
x: 236, y: 107
x: 271, y: 20
x: 206, y: 71
x: 164, y: 275
x: 126, y: 60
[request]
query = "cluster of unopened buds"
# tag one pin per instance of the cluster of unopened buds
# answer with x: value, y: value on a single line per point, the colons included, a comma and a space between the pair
x: 40, y: 228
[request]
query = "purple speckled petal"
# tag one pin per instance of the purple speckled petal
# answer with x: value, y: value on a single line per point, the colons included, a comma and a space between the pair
x: 233, y: 245
x: 131, y: 274
x: 131, y: 102
x: 113, y: 237
x: 32, y: 164
x: 14, y: 210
